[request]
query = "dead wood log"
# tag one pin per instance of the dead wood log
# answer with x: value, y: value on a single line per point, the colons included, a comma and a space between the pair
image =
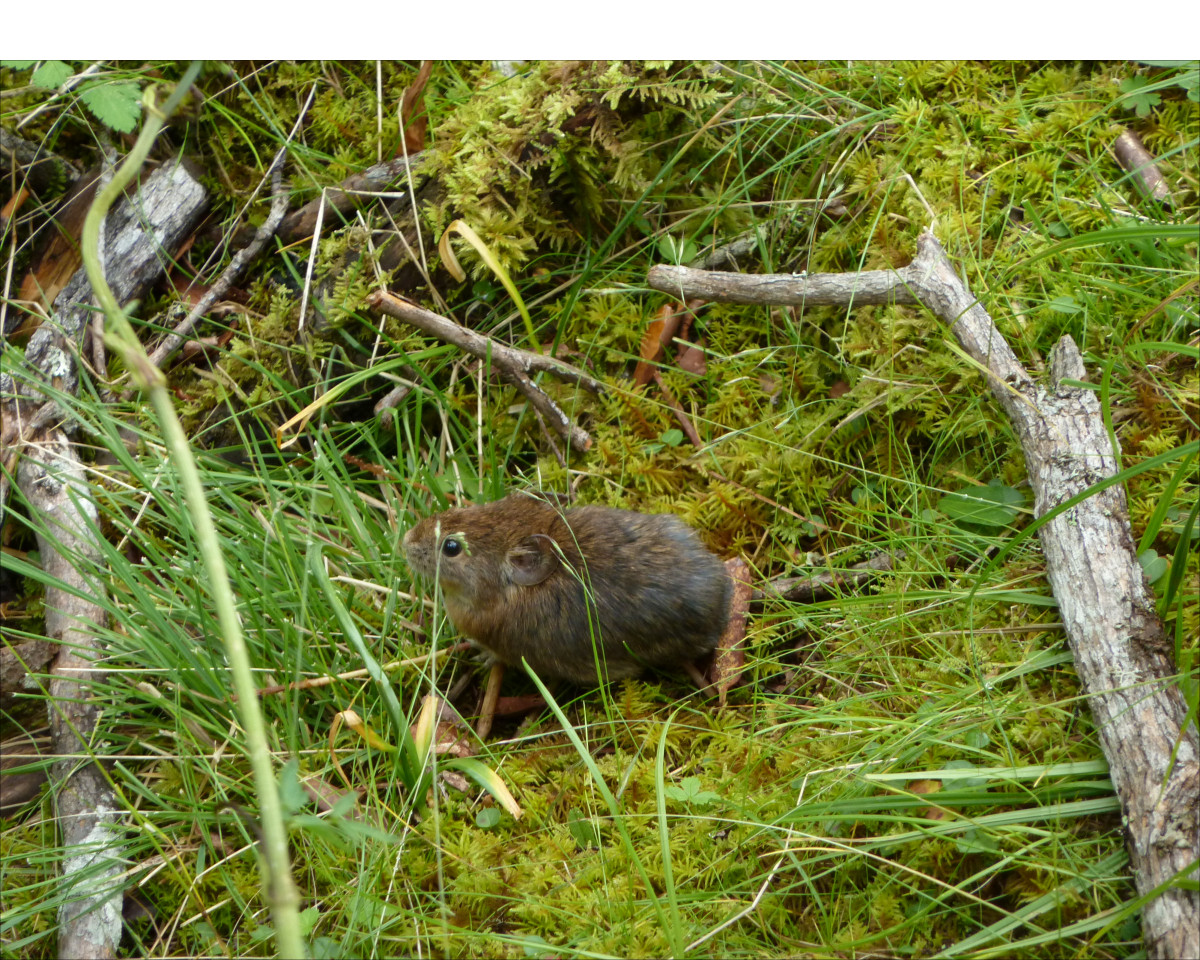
x: 1121, y: 653
x: 66, y: 520
x: 139, y: 236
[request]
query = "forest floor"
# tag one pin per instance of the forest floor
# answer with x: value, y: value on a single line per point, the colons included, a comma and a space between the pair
x: 906, y: 767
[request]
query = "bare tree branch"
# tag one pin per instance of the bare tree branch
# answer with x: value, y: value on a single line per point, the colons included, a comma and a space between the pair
x: 1121, y: 654
x: 515, y: 364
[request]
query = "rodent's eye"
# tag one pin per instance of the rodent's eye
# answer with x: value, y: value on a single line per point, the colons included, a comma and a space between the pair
x: 451, y: 547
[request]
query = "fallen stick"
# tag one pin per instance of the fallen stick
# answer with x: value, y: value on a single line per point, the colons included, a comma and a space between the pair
x: 139, y: 236
x: 1121, y: 653
x: 236, y: 265
x: 67, y: 523
x: 515, y: 364
x: 820, y: 586
x: 1136, y: 159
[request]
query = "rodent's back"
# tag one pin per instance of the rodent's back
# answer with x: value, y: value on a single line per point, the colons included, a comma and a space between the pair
x: 531, y: 581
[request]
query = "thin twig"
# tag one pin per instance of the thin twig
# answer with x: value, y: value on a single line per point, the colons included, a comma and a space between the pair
x: 361, y: 673
x: 828, y: 584
x: 514, y: 363
x: 1136, y: 160
x: 236, y: 265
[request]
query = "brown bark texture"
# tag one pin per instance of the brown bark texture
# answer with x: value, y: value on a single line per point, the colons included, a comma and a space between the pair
x: 1121, y: 653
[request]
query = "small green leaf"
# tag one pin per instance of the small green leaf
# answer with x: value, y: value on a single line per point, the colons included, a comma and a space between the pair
x: 487, y: 818
x: 583, y: 831
x: 976, y: 841
x: 1135, y: 98
x: 674, y: 250
x: 1064, y: 305
x: 17, y: 64
x: 1058, y: 229
x: 1153, y: 565
x: 689, y: 792
x: 976, y: 739
x: 994, y: 505
x: 116, y: 105
x: 325, y: 948
x: 51, y: 75
x: 1176, y: 517
x: 865, y: 491
x: 262, y: 933
x: 535, y: 946
x: 672, y: 438
x: 1190, y: 82
x: 308, y: 920
x: 969, y: 781
x: 291, y: 795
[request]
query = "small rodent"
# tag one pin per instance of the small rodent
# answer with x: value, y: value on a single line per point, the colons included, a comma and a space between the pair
x: 523, y: 578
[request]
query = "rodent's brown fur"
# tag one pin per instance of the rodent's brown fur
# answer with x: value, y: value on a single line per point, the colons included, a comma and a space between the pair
x: 533, y: 581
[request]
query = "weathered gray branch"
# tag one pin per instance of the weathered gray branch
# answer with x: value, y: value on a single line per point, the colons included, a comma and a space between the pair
x: 1121, y: 654
x: 140, y: 236
x: 67, y: 524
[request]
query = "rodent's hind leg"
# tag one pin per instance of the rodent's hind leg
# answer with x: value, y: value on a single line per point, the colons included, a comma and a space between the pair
x: 487, y: 712
x: 697, y: 675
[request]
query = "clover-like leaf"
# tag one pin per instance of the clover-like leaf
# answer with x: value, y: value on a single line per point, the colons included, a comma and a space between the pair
x: 1136, y: 98
x: 689, y: 792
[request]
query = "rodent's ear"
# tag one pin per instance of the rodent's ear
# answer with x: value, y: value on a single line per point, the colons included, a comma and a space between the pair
x: 532, y: 560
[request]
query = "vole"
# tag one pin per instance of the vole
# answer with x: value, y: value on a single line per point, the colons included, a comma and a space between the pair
x: 570, y: 590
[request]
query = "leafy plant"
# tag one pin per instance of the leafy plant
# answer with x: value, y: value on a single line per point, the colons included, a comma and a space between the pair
x: 115, y: 103
x: 689, y: 792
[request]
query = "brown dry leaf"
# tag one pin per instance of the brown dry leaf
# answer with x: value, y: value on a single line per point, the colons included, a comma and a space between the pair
x: 692, y: 358
x: 925, y: 787
x: 658, y: 334
x: 413, y: 118
x: 838, y: 389
x: 513, y: 706
x: 730, y: 658
x: 15, y: 202
x: 58, y: 259
x: 326, y: 796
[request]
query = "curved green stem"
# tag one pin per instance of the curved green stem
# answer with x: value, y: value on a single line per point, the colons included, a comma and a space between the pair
x: 280, y: 889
